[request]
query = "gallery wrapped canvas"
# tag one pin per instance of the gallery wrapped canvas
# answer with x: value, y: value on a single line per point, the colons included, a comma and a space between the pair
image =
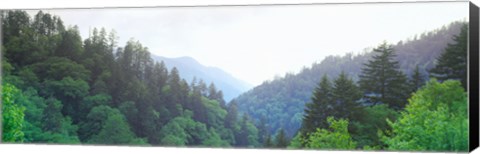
x: 324, y: 76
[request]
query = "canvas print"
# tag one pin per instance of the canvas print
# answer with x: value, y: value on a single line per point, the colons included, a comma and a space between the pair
x: 375, y: 76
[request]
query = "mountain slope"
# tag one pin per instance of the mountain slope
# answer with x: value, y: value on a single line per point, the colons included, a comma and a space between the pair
x: 190, y: 68
x: 281, y: 101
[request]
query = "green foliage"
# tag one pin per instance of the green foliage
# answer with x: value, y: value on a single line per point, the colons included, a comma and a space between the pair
x: 107, y: 125
x: 281, y: 139
x: 339, y: 100
x: 268, y: 143
x: 58, y: 68
x: 282, y: 100
x: 44, y: 122
x: 94, y: 91
x: 12, y: 113
x: 317, y: 110
x: 90, y: 91
x: 434, y: 120
x: 252, y: 135
x: 452, y: 63
x: 373, y: 119
x: 382, y: 81
x: 214, y: 140
x: 338, y: 138
x: 215, y: 113
x: 297, y: 142
x: 417, y: 80
x: 115, y: 131
x: 183, y: 130
x: 65, y: 134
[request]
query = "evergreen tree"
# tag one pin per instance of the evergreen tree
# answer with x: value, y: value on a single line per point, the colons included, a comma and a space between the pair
x: 452, y: 63
x: 212, y: 91
x: 174, y: 88
x: 417, y: 80
x: 345, y: 98
x: 115, y: 131
x: 281, y: 139
x: 231, y: 117
x: 316, y: 111
x: 268, y: 142
x: 262, y: 130
x: 242, y: 136
x: 382, y: 81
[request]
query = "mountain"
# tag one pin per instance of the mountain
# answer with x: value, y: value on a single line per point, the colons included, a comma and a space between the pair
x: 190, y: 68
x: 281, y: 102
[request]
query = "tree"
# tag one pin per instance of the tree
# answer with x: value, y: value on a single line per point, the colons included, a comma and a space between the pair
x: 52, y: 115
x: 71, y: 45
x: 212, y: 91
x: 297, y: 142
x: 241, y: 137
x: 175, y: 96
x: 71, y: 92
x: 106, y: 125
x: 281, y: 139
x: 345, y: 95
x: 232, y: 114
x: 382, y: 81
x: 183, y: 130
x: 262, y: 130
x: 317, y: 110
x: 452, y: 63
x: 365, y: 128
x: 417, y: 80
x: 12, y: 114
x: 268, y: 142
x: 95, y: 121
x: 339, y: 101
x: 214, y: 139
x: 115, y: 131
x: 338, y: 139
x: 435, y: 119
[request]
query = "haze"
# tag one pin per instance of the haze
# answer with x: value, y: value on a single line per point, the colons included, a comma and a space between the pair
x: 257, y: 43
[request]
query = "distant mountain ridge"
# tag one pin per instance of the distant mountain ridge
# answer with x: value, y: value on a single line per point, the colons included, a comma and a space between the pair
x: 189, y: 68
x: 281, y: 101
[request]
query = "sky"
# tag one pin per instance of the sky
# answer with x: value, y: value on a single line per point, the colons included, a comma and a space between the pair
x: 257, y: 43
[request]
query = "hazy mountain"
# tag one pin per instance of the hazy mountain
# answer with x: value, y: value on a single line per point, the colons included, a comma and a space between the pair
x: 281, y: 101
x: 190, y: 68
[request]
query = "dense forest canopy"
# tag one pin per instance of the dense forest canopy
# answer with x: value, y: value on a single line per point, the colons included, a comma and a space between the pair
x: 59, y: 88
x: 281, y: 101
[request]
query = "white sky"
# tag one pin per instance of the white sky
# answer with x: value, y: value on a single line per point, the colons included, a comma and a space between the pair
x: 256, y: 43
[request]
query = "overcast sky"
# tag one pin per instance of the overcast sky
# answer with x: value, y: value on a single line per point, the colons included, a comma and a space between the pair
x: 256, y: 43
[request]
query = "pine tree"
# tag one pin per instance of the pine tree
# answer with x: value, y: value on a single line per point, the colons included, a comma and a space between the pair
x: 382, y: 81
x: 417, y: 80
x: 231, y: 117
x: 345, y: 95
x: 268, y: 142
x: 452, y: 63
x: 242, y: 136
x: 316, y: 111
x: 262, y: 129
x: 281, y: 139
x: 174, y: 98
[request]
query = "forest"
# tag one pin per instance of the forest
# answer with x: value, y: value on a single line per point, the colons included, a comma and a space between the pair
x: 59, y: 88
x: 281, y: 101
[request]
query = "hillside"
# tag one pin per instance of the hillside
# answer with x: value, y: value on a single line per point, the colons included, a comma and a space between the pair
x: 190, y: 68
x: 281, y: 101
x: 58, y: 88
